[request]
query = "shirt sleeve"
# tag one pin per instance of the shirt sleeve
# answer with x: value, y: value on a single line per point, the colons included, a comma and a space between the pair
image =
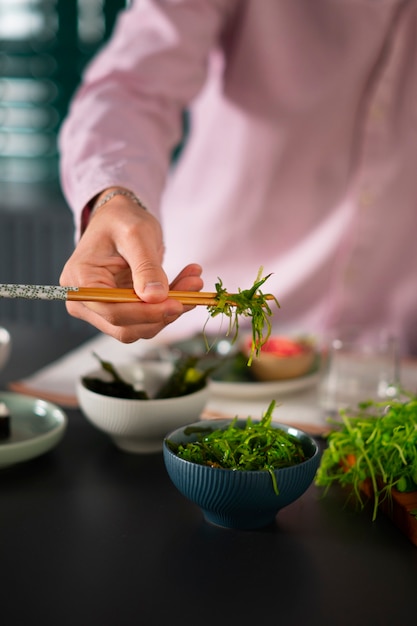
x: 127, y: 115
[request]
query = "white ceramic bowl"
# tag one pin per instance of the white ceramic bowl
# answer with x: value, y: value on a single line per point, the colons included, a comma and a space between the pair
x: 5, y: 346
x: 140, y: 426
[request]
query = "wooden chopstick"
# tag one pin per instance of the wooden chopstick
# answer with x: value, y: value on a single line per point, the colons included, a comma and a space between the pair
x: 98, y: 294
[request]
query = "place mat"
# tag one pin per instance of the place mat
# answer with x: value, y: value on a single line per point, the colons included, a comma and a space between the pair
x: 56, y: 383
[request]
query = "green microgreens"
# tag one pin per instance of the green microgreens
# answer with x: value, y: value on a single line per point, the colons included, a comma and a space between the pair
x: 256, y: 446
x: 247, y: 303
x: 378, y: 444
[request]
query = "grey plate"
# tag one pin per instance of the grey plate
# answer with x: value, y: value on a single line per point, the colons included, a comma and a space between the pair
x: 36, y: 427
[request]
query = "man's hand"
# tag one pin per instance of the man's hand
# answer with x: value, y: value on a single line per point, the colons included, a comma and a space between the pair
x: 123, y: 247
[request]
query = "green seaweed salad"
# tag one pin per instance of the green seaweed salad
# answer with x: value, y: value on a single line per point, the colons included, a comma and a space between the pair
x: 377, y: 445
x: 186, y: 378
x: 249, y: 303
x: 256, y: 446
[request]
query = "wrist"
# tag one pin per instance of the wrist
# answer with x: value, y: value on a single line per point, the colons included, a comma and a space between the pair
x: 110, y: 193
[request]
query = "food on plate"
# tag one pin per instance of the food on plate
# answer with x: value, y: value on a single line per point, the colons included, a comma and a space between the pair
x: 186, y: 378
x: 4, y: 421
x: 116, y: 386
x: 281, y: 358
x: 256, y: 446
x: 285, y: 346
x: 377, y: 446
x: 252, y: 303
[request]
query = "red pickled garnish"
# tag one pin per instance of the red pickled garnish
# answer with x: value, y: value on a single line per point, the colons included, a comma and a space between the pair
x: 283, y: 346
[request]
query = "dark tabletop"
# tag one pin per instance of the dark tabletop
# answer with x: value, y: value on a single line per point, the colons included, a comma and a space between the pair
x: 90, y: 535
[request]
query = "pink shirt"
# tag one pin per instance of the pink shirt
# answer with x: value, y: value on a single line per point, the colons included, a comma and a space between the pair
x: 302, y: 156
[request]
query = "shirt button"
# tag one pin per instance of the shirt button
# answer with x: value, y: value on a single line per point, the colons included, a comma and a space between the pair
x: 377, y: 112
x: 350, y: 275
x: 366, y: 198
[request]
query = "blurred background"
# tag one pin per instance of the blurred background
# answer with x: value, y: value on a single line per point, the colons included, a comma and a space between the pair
x: 44, y: 47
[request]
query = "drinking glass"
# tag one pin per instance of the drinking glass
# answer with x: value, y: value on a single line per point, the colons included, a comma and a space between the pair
x: 356, y: 371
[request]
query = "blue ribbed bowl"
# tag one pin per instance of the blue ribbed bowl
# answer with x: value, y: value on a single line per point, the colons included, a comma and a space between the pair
x: 240, y: 499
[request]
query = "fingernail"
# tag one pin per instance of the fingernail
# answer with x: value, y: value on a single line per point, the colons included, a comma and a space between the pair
x: 153, y: 287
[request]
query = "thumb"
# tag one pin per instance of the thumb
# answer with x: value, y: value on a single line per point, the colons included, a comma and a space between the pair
x: 150, y: 283
x: 141, y: 245
x: 149, y: 279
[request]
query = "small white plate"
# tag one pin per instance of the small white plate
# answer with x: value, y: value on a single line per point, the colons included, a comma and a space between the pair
x: 36, y: 426
x: 251, y: 390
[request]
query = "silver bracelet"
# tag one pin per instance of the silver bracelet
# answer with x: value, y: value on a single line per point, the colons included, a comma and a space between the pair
x: 117, y: 192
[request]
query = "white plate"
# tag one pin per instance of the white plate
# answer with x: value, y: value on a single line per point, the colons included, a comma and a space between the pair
x: 250, y: 390
x: 36, y: 426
